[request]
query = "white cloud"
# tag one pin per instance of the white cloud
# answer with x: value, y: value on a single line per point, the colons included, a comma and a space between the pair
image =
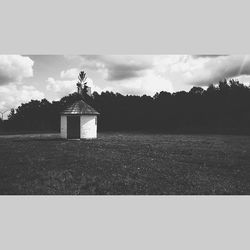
x: 11, y: 96
x: 13, y: 68
x: 244, y: 79
x: 70, y: 73
x: 180, y: 72
x: 61, y: 88
x: 148, y: 84
x: 128, y: 74
x: 185, y: 70
x: 118, y: 67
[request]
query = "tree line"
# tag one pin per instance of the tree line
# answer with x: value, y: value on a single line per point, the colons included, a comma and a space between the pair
x: 221, y: 108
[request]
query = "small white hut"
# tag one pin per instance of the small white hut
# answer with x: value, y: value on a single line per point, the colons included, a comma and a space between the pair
x: 79, y: 120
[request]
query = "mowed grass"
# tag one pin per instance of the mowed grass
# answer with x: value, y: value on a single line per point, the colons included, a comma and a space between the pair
x: 125, y: 163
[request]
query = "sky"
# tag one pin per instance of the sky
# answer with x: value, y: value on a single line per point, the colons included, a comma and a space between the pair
x: 27, y: 77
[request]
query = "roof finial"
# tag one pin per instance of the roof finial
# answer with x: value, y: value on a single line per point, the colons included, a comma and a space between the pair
x: 82, y: 79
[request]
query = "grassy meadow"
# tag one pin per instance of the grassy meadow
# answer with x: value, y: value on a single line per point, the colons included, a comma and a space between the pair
x: 125, y: 163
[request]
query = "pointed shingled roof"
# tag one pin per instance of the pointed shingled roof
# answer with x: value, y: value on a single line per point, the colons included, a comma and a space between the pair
x: 80, y: 108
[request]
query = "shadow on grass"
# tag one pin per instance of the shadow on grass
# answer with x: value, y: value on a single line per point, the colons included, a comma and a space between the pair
x: 46, y: 139
x: 27, y: 139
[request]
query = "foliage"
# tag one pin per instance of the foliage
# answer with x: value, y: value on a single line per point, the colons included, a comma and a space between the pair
x: 222, y: 108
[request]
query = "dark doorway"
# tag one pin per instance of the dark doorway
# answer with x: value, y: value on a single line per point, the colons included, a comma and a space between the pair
x: 73, y: 127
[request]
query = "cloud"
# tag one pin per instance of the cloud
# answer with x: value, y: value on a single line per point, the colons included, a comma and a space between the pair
x: 228, y: 66
x: 61, y: 88
x: 216, y: 69
x: 12, y: 95
x: 70, y: 73
x: 148, y: 84
x: 146, y: 73
x: 184, y: 71
x: 208, y: 55
x: 116, y: 67
x: 128, y: 74
x: 244, y: 79
x: 13, y: 68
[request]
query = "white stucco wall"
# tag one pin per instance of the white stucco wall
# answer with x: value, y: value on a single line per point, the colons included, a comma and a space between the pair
x: 63, y: 126
x: 88, y: 126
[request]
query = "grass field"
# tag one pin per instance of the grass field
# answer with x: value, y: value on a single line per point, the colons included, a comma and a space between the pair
x: 123, y: 163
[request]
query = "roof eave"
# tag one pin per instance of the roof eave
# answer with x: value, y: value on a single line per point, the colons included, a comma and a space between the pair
x: 62, y: 113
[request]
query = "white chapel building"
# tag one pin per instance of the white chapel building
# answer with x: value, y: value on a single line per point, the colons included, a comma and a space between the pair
x: 79, y: 120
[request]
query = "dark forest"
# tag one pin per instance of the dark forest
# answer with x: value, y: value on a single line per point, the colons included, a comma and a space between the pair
x: 221, y: 108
